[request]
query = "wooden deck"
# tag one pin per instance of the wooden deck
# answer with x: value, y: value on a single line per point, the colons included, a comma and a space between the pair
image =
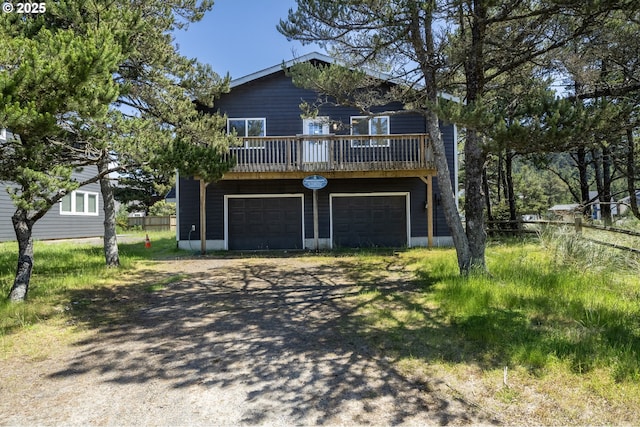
x: 332, y: 156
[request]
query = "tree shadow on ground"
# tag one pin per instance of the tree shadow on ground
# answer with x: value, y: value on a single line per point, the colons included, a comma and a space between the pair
x: 532, y: 330
x: 286, y: 332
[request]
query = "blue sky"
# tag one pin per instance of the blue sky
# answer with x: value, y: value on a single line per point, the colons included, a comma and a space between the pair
x: 240, y: 37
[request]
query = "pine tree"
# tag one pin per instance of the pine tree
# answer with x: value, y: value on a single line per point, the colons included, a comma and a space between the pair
x: 89, y: 82
x: 480, y: 42
x: 49, y: 78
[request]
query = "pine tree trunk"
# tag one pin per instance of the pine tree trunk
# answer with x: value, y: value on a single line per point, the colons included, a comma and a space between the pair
x: 447, y: 195
x: 474, y: 200
x: 631, y: 174
x: 474, y: 156
x: 602, y: 168
x: 605, y: 197
x: 487, y: 194
x: 111, y: 255
x: 502, y: 182
x: 513, y: 212
x: 425, y: 49
x: 23, y: 228
x: 597, y: 171
x: 581, y: 162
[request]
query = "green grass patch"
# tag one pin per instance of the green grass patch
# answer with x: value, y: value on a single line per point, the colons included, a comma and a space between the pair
x: 62, y: 268
x: 532, y: 311
x: 164, y: 283
x: 565, y: 322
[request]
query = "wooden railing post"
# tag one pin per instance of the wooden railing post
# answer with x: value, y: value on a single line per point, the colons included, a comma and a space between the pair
x: 332, y: 143
x: 343, y: 153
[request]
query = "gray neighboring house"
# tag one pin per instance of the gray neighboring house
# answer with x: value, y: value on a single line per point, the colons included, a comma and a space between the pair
x: 79, y: 214
x: 565, y: 212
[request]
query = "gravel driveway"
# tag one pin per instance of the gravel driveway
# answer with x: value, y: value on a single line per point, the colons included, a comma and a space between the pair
x: 229, y: 342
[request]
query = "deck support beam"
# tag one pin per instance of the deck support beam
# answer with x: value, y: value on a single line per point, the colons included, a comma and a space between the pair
x: 429, y: 211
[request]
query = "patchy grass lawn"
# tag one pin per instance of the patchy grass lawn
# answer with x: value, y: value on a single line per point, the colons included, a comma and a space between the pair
x: 551, y: 336
x: 63, y: 267
x: 542, y: 339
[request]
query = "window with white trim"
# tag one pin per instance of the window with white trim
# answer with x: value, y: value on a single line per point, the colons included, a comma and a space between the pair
x: 242, y: 127
x: 364, y: 125
x: 3, y: 134
x: 79, y: 203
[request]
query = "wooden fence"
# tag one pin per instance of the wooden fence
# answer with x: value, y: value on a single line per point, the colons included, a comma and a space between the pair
x: 524, y: 227
x: 153, y: 223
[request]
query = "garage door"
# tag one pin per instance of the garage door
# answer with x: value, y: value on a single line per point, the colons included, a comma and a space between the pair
x: 367, y: 221
x: 265, y: 223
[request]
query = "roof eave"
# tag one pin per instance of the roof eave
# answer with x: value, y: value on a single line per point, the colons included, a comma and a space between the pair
x: 324, y: 58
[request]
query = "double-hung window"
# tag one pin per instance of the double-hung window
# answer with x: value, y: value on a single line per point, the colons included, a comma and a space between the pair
x: 363, y: 125
x: 79, y: 203
x: 255, y: 127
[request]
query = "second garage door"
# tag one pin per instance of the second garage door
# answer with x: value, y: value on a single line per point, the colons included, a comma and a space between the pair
x: 265, y: 223
x: 368, y: 221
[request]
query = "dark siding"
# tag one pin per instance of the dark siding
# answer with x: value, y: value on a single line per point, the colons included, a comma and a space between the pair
x: 275, y: 98
x: 53, y: 225
x: 447, y: 132
x: 189, y: 209
x: 278, y: 100
x: 440, y: 226
x: 189, y: 198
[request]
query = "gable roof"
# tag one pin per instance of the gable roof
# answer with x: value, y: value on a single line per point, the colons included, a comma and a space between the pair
x: 316, y: 56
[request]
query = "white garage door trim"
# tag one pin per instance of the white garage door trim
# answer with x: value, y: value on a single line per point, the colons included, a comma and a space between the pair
x: 257, y: 196
x: 406, y: 194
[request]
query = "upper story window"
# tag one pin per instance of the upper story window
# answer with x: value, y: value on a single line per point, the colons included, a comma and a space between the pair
x: 363, y: 125
x: 248, y: 127
x: 79, y: 203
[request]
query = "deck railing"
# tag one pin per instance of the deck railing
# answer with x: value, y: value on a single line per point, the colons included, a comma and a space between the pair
x: 321, y: 153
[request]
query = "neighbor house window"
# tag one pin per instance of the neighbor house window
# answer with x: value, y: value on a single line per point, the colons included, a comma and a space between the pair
x: 79, y: 203
x: 248, y: 127
x: 3, y: 134
x: 362, y: 125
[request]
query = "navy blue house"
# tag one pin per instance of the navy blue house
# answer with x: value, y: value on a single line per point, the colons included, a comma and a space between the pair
x: 381, y: 188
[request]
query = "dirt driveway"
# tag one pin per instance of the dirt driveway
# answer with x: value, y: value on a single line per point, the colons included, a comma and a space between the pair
x: 227, y: 342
